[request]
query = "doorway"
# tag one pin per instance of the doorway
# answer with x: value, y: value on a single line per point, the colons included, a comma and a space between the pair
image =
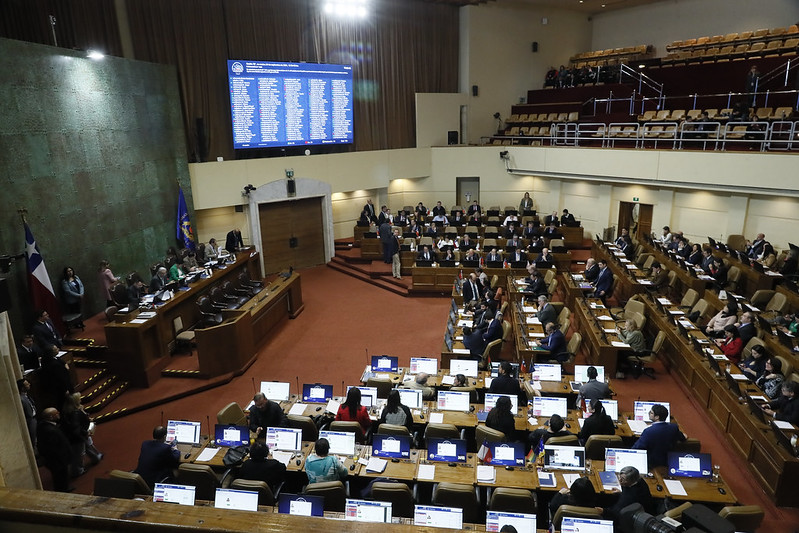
x: 292, y: 234
x: 636, y: 217
x: 467, y: 190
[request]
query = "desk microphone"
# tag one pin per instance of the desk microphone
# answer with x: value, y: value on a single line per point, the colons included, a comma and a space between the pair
x: 343, y: 393
x: 208, y: 423
x: 162, y: 417
x: 253, y: 384
x: 298, y: 386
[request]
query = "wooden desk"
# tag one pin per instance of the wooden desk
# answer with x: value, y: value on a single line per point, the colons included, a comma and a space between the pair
x: 516, y: 477
x: 627, y: 286
x: 464, y: 473
x: 403, y: 469
x: 597, y: 343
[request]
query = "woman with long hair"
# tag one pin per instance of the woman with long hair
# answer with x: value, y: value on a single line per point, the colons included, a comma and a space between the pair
x: 395, y: 412
x: 352, y: 410
x: 501, y: 418
x: 107, y: 280
x: 599, y: 423
x: 75, y: 424
x: 72, y: 289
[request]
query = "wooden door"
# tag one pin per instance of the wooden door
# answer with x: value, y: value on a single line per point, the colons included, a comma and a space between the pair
x: 467, y: 185
x: 292, y: 234
x: 637, y: 218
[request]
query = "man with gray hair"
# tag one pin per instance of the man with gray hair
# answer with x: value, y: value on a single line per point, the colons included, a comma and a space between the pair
x: 420, y: 383
x: 546, y: 311
x: 159, y: 281
x: 633, y: 490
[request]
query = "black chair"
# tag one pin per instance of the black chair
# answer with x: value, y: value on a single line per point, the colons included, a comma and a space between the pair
x: 219, y: 301
x: 231, y: 292
x: 210, y: 315
x: 254, y: 286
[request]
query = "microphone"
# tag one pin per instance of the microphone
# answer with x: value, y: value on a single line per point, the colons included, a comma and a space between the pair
x: 208, y: 424
x: 162, y: 417
x: 253, y: 384
x: 343, y: 393
x: 367, y: 356
x: 298, y: 387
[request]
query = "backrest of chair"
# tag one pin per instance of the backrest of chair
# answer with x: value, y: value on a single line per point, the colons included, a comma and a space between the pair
x: 350, y: 427
x: 506, y: 329
x: 483, y: 433
x: 639, y: 319
x: 689, y: 298
x: 565, y: 324
x: 398, y: 494
x: 492, y: 351
x: 552, y: 288
x: 141, y: 486
x: 177, y: 324
x: 747, y: 350
x: 689, y: 445
x: 494, y: 281
x: 634, y: 306
x: 441, y: 431
x: 510, y: 500
x: 658, y: 342
x: 564, y: 313
x: 265, y: 496
x: 392, y: 429
x: 734, y: 274
x: 648, y: 263
x: 701, y: 307
x: 672, y: 276
x: 565, y: 440
x: 383, y: 386
x: 460, y: 496
x: 201, y: 477
x: 744, y: 517
x: 574, y: 343
x: 231, y: 414
x: 574, y: 511
x: 119, y: 293
x: 332, y: 491
x: 554, y: 243
x: 778, y: 303
x: 110, y: 312
x: 310, y: 432
x: 787, y: 367
x: 596, y: 444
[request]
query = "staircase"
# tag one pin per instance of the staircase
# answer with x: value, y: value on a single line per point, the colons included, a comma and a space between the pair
x: 101, y: 387
x: 348, y: 260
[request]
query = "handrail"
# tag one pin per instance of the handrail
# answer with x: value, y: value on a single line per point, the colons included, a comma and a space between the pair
x: 642, y: 79
x: 783, y: 71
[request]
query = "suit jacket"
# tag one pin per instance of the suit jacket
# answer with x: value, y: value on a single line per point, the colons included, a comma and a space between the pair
x: 555, y: 343
x: 548, y: 258
x: 594, y: 390
x: 431, y: 253
x: 384, y: 231
x: 658, y: 439
x: 756, y: 248
x: 695, y: 258
x: 270, y: 416
x: 233, y: 241
x: 382, y: 218
x: 370, y: 208
x: 518, y: 256
x: 590, y: 274
x: 157, y: 460
x: 474, y: 209
x: 747, y: 331
x: 29, y: 357
x: 567, y: 219
x: 552, y: 233
x: 604, y: 282
x: 45, y: 334
x: 529, y: 233
x: 547, y: 314
x: 504, y: 384
x: 549, y: 219
x: 269, y: 471
x: 494, y: 257
x: 53, y: 446
x: 637, y: 493
x: 439, y: 210
x: 469, y: 293
x: 157, y: 283
x: 597, y: 424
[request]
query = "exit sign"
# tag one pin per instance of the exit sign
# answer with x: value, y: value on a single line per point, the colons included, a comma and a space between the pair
x: 635, y: 198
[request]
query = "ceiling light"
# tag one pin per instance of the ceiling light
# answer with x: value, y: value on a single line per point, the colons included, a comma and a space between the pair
x: 346, y: 8
x: 94, y: 54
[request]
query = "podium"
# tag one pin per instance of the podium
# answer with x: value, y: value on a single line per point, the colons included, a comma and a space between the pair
x: 226, y: 347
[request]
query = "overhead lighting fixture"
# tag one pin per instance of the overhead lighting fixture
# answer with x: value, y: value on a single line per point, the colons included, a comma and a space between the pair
x: 347, y: 8
x: 94, y: 54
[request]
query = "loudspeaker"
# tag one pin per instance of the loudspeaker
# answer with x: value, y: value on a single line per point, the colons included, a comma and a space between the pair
x: 291, y: 188
x: 239, y: 208
x: 5, y: 296
x: 474, y: 90
x: 535, y: 46
x: 452, y: 137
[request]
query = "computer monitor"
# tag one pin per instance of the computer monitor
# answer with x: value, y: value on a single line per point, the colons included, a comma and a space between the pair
x: 341, y: 442
x: 432, y: 516
x: 755, y: 409
x: 523, y: 523
x: 183, y: 431
x: 546, y: 372
x: 684, y: 464
x: 581, y: 373
x: 447, y: 450
x: 232, y: 436
x: 243, y: 500
x: 368, y: 395
x: 367, y: 511
x: 286, y: 439
x: 507, y: 453
x: 428, y: 365
x: 491, y: 401
x: 611, y: 409
x: 495, y: 369
x: 180, y: 494
x: 641, y: 410
x: 385, y: 363
x: 301, y: 504
x: 317, y: 393
x: 392, y: 446
x: 412, y: 398
x: 732, y: 383
x: 564, y: 457
x: 618, y: 458
x: 548, y: 406
x: 585, y: 525
x: 276, y: 391
x: 453, y: 401
x: 467, y: 367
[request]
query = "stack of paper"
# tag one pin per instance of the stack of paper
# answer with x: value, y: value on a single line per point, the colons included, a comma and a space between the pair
x: 426, y: 472
x: 436, y: 418
x: 376, y: 464
x: 486, y: 474
x: 283, y: 457
x: 298, y: 409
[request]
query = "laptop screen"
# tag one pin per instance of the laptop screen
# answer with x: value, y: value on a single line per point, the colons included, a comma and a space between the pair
x: 453, y: 400
x: 618, y: 458
x: 316, y: 393
x: 393, y: 446
x: 642, y: 408
x: 243, y: 500
x: 524, y: 523
x: 507, y: 453
x: 301, y: 504
x: 689, y: 464
x: 287, y: 439
x: 585, y: 525
x: 611, y: 409
x: 368, y: 511
x: 428, y: 515
x: 448, y: 450
x: 427, y: 365
x: 183, y: 431
x: 564, y: 457
x: 467, y: 367
x: 546, y: 372
x: 411, y: 398
x: 491, y: 400
x: 385, y: 363
x: 547, y: 406
x: 276, y: 391
x: 341, y: 442
x: 581, y: 373
x: 231, y: 435
x: 368, y: 395
x: 180, y: 494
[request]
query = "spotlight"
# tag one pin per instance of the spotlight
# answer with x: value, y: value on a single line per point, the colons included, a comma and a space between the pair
x: 248, y: 189
x: 497, y: 115
x: 504, y: 155
x: 94, y: 54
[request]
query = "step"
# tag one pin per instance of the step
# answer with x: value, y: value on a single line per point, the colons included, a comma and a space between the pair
x: 366, y: 267
x: 99, y: 387
x: 384, y: 282
x: 91, y: 380
x: 179, y: 373
x: 118, y: 388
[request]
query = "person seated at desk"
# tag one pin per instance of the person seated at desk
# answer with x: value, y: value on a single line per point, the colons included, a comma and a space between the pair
x: 157, y: 459
x: 321, y: 467
x: 365, y: 219
x: 470, y: 255
x: 754, y: 365
x: 552, y: 219
x: 726, y: 317
x: 426, y: 255
x: 511, y: 219
x: 445, y: 242
x: 788, y: 323
x: 449, y: 255
x: 505, y: 383
x: 177, y: 272
x: 553, y: 428
x: 211, y: 250
x: 546, y: 311
x: 493, y: 256
x: 707, y: 260
x: 476, y: 341
x: 264, y: 414
x: 395, y: 412
x: 545, y: 256
x: 731, y: 344
x: 786, y: 407
x: 432, y: 231
x: 439, y: 210
x: 160, y: 280
x: 535, y: 283
x: 633, y: 490
x: 501, y: 418
x: 190, y: 261
x: 659, y: 278
x: 442, y: 219
x: 719, y: 272
x: 466, y: 243
x: 632, y: 335
x: 598, y: 423
x: 567, y: 219
x: 421, y: 211
x: 420, y: 383
x: 746, y: 328
x: 623, y: 236
x: 665, y: 237
x: 29, y: 353
x: 791, y: 264
x: 510, y: 232
x: 401, y: 219
x: 683, y: 250
x: 695, y: 256
x: 518, y: 256
x: 135, y: 291
x: 580, y: 494
x: 659, y: 438
x: 414, y: 227
x: 352, y: 410
x: 457, y: 219
x: 531, y: 230
x: 591, y: 270
x: 755, y: 248
x: 552, y: 231
x: 555, y: 342
x: 260, y: 467
x: 474, y: 211
x: 536, y: 244
x: 460, y: 381
x: 593, y: 389
x: 627, y: 247
x: 771, y: 380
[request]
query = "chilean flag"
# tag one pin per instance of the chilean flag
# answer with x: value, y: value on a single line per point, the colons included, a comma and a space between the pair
x: 39, y: 285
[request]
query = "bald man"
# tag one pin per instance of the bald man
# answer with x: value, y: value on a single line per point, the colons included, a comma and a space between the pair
x: 54, y: 449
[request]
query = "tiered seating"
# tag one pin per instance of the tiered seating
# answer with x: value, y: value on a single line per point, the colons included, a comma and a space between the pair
x: 734, y: 46
x: 611, y: 56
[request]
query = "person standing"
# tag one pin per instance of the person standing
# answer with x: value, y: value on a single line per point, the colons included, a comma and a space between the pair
x: 385, y: 234
x: 54, y: 449
x: 72, y: 289
x: 29, y: 353
x: 659, y: 438
x: 44, y: 331
x: 396, y: 265
x: 107, y: 280
x: 28, y: 408
x: 526, y: 204
x: 233, y: 241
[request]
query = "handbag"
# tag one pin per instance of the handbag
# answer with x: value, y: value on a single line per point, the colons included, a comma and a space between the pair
x: 235, y: 456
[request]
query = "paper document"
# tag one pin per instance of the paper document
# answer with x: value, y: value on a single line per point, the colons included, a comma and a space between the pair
x: 619, y: 344
x: 676, y: 312
x: 447, y: 380
x: 464, y: 323
x: 528, y: 309
x: 436, y: 418
x: 664, y: 301
x: 644, y: 282
x: 332, y: 407
x: 739, y: 377
x: 486, y: 473
x: 783, y: 425
x: 637, y: 426
x: 536, y: 385
x: 457, y: 350
x: 536, y: 335
x: 376, y: 464
x: 298, y: 409
x: 283, y: 457
x: 605, y: 317
x: 207, y: 454
x: 546, y: 479
x: 570, y: 478
x: 675, y: 487
x: 487, y: 381
x: 609, y: 330
x: 533, y: 320
x: 426, y: 472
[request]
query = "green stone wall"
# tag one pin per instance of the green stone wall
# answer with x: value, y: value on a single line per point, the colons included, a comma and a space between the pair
x: 94, y: 150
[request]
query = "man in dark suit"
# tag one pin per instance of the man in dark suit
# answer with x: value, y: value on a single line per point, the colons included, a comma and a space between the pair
x: 493, y: 255
x: 505, y: 383
x: 707, y: 260
x: 384, y: 232
x: 604, y: 281
x: 401, y: 219
x: 385, y: 216
x: 439, y: 210
x: 264, y: 414
x: 552, y: 232
x: 633, y: 490
x: 747, y: 329
x: 44, y: 331
x: 567, y: 219
x: 545, y: 257
x: 518, y: 256
x: 623, y: 236
x: 591, y: 270
x: 627, y: 248
x: 157, y: 459
x: 29, y: 353
x: 457, y: 219
x: 552, y: 219
x: 471, y: 288
x: 159, y: 281
x: 259, y: 467
x: 555, y: 342
x: 659, y: 438
x: 370, y: 209
x: 28, y: 408
x: 466, y: 243
x: 477, y: 341
x: 233, y: 241
x: 546, y: 311
x: 54, y: 449
x: 474, y: 211
x: 426, y: 254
